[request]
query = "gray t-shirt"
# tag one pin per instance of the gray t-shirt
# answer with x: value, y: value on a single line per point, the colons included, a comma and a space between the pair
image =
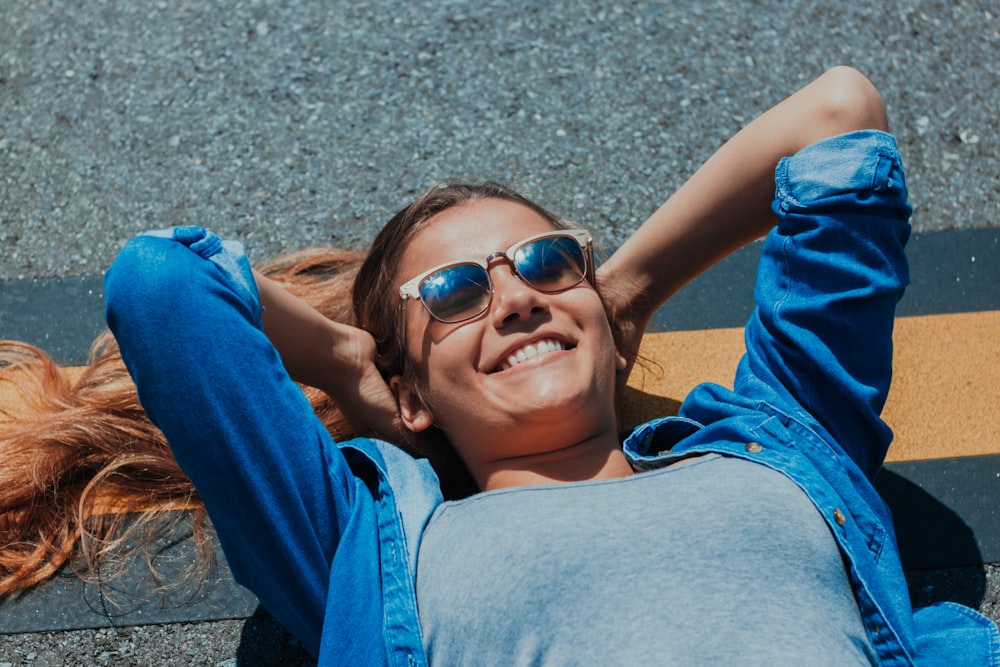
x: 713, y: 561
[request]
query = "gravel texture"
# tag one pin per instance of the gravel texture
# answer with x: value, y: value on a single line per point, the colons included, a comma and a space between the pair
x: 220, y: 644
x: 288, y: 124
x: 297, y: 123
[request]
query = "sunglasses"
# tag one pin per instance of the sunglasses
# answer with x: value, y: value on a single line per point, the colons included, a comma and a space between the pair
x: 549, y: 262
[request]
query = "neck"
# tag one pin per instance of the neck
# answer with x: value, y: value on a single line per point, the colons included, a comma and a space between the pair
x: 587, y: 460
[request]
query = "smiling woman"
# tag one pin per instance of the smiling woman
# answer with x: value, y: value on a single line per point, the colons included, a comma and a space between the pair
x: 529, y: 411
x: 484, y: 363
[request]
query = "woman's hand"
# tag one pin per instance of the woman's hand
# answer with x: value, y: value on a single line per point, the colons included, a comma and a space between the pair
x: 628, y: 318
x: 363, y: 396
x: 337, y: 358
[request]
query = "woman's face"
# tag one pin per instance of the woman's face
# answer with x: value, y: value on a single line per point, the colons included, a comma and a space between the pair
x: 464, y: 383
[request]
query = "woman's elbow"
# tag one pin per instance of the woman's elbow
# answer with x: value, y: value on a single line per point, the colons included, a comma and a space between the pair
x: 146, y: 283
x: 851, y: 102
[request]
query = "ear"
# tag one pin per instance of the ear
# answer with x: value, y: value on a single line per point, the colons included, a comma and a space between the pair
x: 621, y: 363
x: 622, y: 370
x: 412, y: 409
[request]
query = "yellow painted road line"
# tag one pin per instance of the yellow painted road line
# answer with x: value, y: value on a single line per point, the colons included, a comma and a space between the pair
x: 943, y: 402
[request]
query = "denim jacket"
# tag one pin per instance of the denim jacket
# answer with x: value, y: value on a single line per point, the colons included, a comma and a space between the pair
x: 808, y: 393
x: 300, y: 526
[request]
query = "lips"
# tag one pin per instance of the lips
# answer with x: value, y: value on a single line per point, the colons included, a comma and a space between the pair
x: 530, y: 351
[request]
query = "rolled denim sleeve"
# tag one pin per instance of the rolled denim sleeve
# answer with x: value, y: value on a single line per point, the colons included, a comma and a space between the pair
x: 819, y: 342
x: 185, y: 311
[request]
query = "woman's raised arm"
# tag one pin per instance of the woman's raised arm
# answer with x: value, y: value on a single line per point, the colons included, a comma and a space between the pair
x: 334, y: 357
x: 725, y: 204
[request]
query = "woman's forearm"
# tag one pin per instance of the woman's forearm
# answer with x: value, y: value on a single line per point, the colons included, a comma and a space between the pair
x: 315, y: 350
x: 334, y: 357
x: 726, y: 203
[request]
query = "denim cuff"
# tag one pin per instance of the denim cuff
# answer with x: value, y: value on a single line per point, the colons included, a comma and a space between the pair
x: 229, y: 256
x: 862, y: 161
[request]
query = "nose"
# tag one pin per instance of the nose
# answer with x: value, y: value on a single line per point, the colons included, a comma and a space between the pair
x: 513, y: 299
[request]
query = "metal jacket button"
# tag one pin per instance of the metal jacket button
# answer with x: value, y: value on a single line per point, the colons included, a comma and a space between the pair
x: 754, y: 448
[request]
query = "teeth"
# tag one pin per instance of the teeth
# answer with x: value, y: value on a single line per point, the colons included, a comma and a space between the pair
x: 531, y: 350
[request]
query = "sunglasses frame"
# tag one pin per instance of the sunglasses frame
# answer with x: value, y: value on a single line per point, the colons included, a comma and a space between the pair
x: 411, y: 288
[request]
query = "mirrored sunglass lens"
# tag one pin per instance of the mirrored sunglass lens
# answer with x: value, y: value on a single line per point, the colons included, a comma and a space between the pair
x: 551, y: 264
x: 456, y: 292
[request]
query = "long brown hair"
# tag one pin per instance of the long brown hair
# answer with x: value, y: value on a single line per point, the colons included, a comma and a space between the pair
x: 77, y: 452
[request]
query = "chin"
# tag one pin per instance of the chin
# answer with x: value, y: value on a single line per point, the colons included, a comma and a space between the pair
x: 577, y: 407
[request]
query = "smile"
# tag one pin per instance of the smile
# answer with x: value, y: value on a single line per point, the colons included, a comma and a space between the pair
x: 530, y: 351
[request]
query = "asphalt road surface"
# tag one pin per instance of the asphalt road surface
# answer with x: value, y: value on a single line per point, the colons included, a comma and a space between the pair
x: 298, y: 123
